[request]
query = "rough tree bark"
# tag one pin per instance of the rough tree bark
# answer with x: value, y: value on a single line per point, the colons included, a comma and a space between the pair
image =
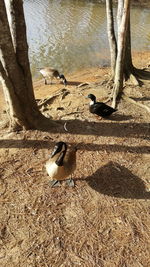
x: 122, y: 36
x: 123, y: 66
x: 111, y: 36
x: 14, y: 68
x: 130, y: 71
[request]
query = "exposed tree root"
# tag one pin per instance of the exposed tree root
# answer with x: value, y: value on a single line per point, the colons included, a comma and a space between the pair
x: 134, y: 76
x: 134, y: 80
x: 4, y: 124
x: 141, y: 74
x: 125, y: 97
x: 50, y: 99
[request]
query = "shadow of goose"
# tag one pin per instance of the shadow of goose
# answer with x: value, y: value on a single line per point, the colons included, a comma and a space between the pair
x: 115, y: 180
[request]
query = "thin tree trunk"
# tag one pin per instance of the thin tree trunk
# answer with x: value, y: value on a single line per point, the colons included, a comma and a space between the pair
x: 122, y: 33
x: 111, y: 36
x: 119, y: 12
x: 128, y: 65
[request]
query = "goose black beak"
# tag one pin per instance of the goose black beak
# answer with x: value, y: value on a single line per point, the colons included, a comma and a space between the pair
x: 55, y: 151
x: 65, y: 82
x: 58, y: 148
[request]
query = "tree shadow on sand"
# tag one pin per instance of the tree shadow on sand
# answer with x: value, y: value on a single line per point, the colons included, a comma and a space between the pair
x: 115, y: 180
x: 101, y: 128
x: 74, y: 83
x: 49, y: 144
x: 119, y: 117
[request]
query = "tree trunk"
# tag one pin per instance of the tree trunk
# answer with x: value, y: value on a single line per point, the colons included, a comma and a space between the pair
x: 111, y: 36
x: 132, y: 73
x: 11, y: 20
x: 122, y: 34
x: 15, y: 69
x: 124, y: 69
x: 128, y: 65
x: 119, y: 12
x: 18, y: 29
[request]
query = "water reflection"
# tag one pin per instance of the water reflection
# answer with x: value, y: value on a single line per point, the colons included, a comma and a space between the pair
x: 70, y: 34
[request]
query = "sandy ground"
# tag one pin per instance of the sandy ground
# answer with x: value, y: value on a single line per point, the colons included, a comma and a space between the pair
x: 104, y: 221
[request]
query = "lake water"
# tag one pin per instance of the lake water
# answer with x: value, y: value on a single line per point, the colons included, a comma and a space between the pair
x: 72, y: 34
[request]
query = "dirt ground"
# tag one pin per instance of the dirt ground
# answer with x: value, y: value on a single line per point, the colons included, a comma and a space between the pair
x: 104, y: 221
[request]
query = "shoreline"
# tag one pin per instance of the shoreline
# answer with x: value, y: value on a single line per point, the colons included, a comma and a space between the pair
x: 89, y: 74
x: 140, y: 60
x: 137, y: 3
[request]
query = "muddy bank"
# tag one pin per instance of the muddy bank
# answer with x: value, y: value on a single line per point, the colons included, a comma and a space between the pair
x: 137, y: 3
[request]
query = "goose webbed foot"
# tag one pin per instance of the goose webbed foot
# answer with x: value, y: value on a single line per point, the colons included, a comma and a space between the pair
x: 70, y: 182
x: 54, y: 183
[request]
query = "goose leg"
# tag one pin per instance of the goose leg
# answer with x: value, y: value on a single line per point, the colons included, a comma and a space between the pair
x: 70, y: 182
x: 45, y: 81
x: 54, y: 183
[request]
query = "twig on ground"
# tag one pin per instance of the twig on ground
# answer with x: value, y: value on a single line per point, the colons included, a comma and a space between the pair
x: 71, y: 113
x: 65, y: 127
x: 50, y: 99
x: 83, y: 84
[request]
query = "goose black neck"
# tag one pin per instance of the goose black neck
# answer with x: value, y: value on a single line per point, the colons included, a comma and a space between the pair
x: 60, y: 159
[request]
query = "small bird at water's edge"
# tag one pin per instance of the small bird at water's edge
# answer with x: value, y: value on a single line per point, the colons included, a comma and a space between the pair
x: 99, y: 108
x: 49, y: 73
x: 62, y: 164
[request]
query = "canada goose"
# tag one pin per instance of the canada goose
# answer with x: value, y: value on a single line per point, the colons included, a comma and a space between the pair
x: 99, y: 108
x: 61, y: 164
x: 49, y: 73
